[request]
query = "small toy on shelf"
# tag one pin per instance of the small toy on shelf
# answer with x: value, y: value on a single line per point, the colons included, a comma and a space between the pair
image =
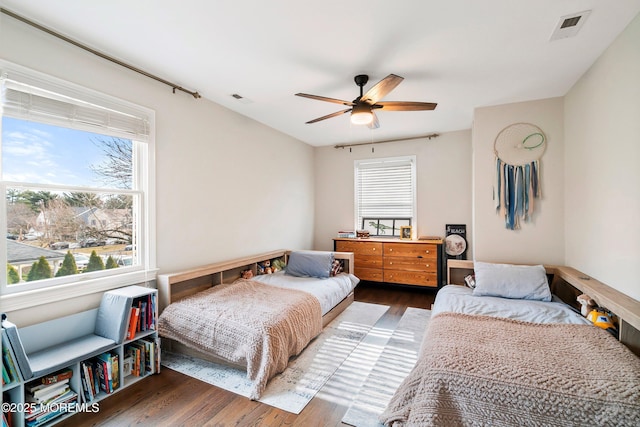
x: 247, y: 274
x: 278, y: 264
x: 264, y: 267
x: 587, y: 304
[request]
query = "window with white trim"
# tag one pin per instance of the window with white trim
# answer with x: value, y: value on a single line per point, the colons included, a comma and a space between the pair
x: 385, y: 195
x: 75, y: 173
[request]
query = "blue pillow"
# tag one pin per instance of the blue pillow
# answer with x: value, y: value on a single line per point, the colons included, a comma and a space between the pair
x: 511, y: 281
x: 310, y: 264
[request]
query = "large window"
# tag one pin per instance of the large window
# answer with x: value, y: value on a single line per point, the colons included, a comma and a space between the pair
x: 75, y: 174
x: 385, y: 195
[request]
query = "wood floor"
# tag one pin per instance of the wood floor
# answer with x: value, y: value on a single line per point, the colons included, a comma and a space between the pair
x: 174, y: 399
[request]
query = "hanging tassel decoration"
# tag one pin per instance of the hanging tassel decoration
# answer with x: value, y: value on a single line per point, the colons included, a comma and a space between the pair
x: 515, y: 189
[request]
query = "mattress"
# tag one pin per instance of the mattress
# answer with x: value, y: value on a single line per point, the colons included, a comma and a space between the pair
x: 460, y: 299
x: 328, y: 291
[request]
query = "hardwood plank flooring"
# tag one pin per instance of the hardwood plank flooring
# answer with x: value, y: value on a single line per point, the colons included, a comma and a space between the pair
x: 174, y: 399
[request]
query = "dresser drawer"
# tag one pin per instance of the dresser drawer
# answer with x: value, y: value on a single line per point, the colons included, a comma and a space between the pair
x: 411, y: 278
x: 427, y: 265
x: 371, y: 274
x: 359, y: 248
x: 424, y: 250
x: 368, y: 261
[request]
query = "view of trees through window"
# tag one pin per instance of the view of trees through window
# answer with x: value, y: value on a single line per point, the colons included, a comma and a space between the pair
x: 70, y: 206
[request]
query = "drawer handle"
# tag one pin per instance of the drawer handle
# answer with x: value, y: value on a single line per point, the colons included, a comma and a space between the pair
x: 426, y: 252
x: 391, y: 263
x: 390, y: 249
x: 427, y: 265
x: 374, y: 249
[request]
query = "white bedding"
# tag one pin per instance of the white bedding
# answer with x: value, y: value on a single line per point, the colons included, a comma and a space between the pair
x: 460, y: 299
x: 328, y: 291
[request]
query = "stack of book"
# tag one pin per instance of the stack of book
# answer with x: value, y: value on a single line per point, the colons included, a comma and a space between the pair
x: 49, y: 394
x: 142, y: 317
x: 100, y: 374
x: 346, y: 234
x: 141, y: 358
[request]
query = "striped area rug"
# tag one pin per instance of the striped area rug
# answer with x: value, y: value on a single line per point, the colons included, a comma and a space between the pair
x: 390, y: 368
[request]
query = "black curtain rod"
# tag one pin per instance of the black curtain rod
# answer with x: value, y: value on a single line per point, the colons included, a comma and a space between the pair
x: 98, y: 53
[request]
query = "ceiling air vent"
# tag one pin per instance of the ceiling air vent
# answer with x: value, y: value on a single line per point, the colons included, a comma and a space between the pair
x: 242, y: 98
x: 569, y: 25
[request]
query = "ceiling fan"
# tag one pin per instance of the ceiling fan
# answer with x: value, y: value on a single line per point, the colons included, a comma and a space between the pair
x: 363, y: 107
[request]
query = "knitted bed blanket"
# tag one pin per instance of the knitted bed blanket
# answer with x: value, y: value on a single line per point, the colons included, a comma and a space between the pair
x: 478, y: 370
x: 247, y: 323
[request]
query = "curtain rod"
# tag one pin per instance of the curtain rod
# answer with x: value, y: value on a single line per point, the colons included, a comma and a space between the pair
x: 431, y: 135
x: 98, y: 53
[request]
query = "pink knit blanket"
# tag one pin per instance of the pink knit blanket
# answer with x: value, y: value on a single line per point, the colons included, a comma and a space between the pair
x: 478, y: 370
x: 247, y: 323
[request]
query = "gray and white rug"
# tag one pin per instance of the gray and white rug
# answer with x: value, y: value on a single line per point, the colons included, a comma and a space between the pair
x: 306, y: 374
x: 387, y: 372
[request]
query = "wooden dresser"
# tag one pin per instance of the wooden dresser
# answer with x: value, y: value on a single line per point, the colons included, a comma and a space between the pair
x: 407, y: 262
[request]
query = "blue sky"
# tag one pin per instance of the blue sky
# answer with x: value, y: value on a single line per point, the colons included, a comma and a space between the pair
x: 39, y: 153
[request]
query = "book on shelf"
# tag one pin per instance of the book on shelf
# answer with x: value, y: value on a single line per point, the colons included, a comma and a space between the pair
x: 142, y: 320
x: 8, y: 361
x: 86, y: 378
x: 58, y: 376
x: 138, y: 351
x: 42, y: 413
x: 48, y: 395
x: 133, y: 323
x: 108, y: 371
x: 13, y: 339
x: 39, y: 390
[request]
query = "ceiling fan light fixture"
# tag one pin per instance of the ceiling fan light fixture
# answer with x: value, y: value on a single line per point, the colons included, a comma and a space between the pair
x: 361, y: 115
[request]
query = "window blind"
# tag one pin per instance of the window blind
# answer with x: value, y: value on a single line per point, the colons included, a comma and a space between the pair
x: 385, y: 188
x: 27, y: 101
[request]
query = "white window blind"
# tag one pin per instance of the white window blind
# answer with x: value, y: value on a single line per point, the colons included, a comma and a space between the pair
x: 26, y: 98
x: 385, y: 188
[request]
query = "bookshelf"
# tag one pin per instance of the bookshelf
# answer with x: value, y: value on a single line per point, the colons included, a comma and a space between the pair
x: 82, y: 378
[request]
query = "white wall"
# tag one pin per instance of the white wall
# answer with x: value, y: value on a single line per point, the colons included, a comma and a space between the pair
x: 226, y: 186
x: 542, y: 239
x: 602, y: 133
x: 443, y: 184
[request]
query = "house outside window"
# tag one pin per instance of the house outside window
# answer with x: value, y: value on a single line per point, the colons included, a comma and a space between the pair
x: 385, y: 195
x: 76, y: 177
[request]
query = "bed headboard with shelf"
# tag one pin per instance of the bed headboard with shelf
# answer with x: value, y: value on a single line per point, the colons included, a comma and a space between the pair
x: 567, y: 283
x: 175, y: 286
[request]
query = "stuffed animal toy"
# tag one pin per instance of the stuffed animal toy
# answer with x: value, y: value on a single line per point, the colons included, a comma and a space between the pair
x: 247, y: 274
x: 279, y: 264
x: 264, y: 267
x: 587, y: 304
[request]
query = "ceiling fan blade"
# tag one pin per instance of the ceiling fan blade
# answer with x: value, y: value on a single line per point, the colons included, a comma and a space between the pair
x: 382, y: 88
x: 406, y: 106
x: 375, y: 124
x: 324, y: 98
x: 328, y: 116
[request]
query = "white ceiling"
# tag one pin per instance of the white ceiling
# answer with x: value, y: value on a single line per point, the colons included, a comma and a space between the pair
x: 461, y: 54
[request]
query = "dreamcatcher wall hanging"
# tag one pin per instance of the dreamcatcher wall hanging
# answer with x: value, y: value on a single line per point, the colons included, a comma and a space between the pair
x: 518, y: 149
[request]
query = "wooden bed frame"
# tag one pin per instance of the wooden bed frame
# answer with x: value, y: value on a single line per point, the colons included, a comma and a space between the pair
x: 567, y: 283
x: 173, y: 287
